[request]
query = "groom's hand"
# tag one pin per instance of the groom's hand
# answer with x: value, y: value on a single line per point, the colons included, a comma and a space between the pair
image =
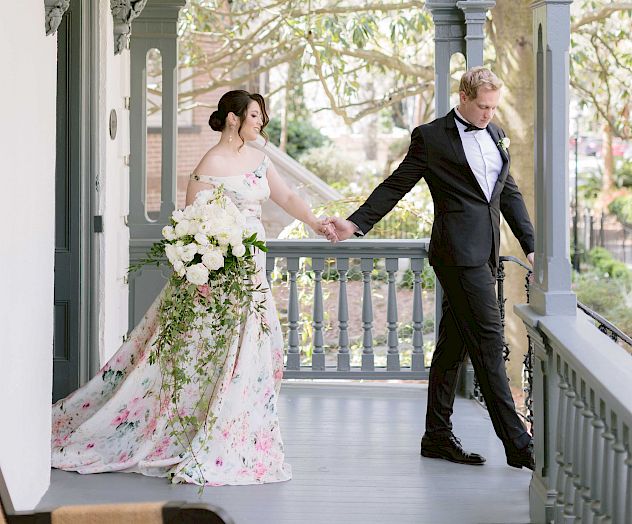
x: 343, y: 229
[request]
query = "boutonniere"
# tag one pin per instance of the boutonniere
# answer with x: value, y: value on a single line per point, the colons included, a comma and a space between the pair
x: 503, y: 144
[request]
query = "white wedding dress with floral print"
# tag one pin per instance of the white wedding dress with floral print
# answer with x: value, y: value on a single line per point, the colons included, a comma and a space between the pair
x: 117, y: 422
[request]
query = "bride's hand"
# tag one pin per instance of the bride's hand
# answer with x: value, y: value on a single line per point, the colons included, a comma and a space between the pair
x: 324, y: 228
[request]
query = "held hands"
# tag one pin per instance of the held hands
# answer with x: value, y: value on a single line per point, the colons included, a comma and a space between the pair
x: 334, y: 229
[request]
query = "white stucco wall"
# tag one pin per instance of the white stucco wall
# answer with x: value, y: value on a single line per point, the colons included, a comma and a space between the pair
x: 27, y: 213
x: 114, y: 243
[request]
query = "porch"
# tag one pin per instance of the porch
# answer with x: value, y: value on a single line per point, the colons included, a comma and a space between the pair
x: 354, y: 451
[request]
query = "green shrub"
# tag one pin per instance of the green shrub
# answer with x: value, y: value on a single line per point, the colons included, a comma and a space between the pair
x: 606, y: 266
x: 598, y: 293
x: 330, y: 165
x: 621, y: 207
x: 301, y: 136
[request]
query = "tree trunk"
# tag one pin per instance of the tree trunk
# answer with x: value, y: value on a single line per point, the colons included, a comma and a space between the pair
x: 608, y: 187
x: 511, y: 35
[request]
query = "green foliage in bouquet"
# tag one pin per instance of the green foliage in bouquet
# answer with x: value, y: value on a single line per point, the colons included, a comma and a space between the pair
x: 206, y: 300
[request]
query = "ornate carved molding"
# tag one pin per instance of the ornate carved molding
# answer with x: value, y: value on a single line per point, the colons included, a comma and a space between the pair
x: 123, y: 13
x: 55, y: 10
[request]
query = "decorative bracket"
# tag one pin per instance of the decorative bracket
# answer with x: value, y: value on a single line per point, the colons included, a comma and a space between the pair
x: 123, y: 13
x: 54, y: 10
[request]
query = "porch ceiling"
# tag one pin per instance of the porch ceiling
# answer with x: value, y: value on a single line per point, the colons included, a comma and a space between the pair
x: 354, y: 451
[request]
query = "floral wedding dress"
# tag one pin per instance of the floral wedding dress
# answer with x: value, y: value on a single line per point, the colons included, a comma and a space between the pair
x: 119, y: 421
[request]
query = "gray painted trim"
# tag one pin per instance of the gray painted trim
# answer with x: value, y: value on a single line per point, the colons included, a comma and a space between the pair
x: 54, y: 12
x: 87, y: 183
x: 123, y: 13
x: 93, y: 356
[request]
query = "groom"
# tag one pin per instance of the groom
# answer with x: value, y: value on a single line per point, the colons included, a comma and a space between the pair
x: 465, y: 161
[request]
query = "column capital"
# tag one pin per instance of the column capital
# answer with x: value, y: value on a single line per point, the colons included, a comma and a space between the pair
x: 541, y: 3
x: 473, y: 9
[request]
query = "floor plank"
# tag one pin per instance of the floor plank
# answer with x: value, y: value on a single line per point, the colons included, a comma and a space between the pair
x: 354, y: 451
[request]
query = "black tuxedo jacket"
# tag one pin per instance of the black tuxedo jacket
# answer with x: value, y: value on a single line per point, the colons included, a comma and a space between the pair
x: 466, y: 226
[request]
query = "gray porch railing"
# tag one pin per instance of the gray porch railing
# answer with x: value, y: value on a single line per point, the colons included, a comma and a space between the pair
x: 366, y: 251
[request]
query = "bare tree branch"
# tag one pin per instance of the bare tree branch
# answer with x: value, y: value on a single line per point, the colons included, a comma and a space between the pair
x: 601, y: 14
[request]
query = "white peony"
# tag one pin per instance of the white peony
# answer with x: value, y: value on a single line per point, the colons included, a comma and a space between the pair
x: 188, y: 252
x: 169, y: 233
x: 182, y: 228
x: 201, y: 239
x: 189, y: 212
x: 239, y: 250
x: 172, y: 253
x: 197, y: 274
x: 178, y: 267
x: 235, y: 238
x: 213, y: 259
x: 177, y: 215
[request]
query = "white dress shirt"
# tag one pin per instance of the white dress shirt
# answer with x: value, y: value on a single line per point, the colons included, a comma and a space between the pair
x: 482, y: 155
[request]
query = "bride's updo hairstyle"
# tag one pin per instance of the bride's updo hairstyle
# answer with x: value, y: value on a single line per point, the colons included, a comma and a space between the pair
x: 237, y: 102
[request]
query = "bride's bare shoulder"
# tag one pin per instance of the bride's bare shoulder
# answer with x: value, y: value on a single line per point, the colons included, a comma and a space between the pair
x: 211, y: 162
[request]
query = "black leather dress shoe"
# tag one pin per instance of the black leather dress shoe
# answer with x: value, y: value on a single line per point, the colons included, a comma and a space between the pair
x: 522, y: 458
x: 449, y: 448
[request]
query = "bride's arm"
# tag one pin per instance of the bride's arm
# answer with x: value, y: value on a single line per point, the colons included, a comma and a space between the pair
x: 289, y: 201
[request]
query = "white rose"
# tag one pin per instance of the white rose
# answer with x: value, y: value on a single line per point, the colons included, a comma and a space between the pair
x: 177, y: 215
x: 169, y: 233
x: 172, y: 253
x: 194, y: 227
x: 189, y: 212
x: 197, y: 274
x: 201, y: 239
x: 239, y: 250
x: 182, y: 228
x: 213, y: 259
x: 188, y: 252
x: 235, y: 238
x: 204, y: 196
x: 178, y: 267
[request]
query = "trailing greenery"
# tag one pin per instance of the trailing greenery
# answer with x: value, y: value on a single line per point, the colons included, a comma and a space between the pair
x: 206, y: 299
x: 621, y: 207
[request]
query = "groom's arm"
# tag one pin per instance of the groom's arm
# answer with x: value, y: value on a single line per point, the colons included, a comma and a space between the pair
x: 515, y: 212
x: 392, y: 190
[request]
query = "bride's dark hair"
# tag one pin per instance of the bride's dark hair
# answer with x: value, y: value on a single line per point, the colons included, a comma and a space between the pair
x: 237, y: 102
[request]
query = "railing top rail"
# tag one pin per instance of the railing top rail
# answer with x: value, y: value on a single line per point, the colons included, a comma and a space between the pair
x: 607, y: 371
x: 354, y: 248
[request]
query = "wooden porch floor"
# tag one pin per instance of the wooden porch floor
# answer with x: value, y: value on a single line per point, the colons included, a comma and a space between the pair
x: 354, y: 451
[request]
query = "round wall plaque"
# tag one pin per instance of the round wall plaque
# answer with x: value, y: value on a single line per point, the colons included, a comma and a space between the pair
x: 113, y: 124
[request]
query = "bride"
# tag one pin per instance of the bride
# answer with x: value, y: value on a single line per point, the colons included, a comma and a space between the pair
x: 120, y: 422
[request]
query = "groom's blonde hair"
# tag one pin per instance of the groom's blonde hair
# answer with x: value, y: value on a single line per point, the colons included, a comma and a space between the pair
x: 478, y: 77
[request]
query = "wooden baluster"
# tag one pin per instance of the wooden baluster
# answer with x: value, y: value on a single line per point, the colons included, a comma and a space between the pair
x: 269, y: 269
x: 342, y: 264
x: 597, y: 470
x: 560, y: 443
x: 392, y: 357
x: 619, y: 493
x: 368, y: 358
x: 417, y: 363
x: 587, y: 458
x: 318, y: 354
x: 293, y: 355
x: 569, y: 492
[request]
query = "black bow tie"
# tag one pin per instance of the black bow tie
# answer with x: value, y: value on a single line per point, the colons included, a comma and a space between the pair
x: 468, y: 126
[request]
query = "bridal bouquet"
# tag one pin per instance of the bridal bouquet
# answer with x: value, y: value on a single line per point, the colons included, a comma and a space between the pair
x: 209, y: 293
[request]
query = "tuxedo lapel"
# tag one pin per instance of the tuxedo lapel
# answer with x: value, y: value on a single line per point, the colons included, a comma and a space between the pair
x: 455, y: 140
x: 494, y: 132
